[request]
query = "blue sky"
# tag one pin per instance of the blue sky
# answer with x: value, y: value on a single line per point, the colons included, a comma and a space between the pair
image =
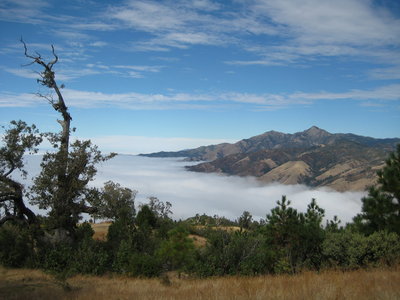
x: 145, y: 76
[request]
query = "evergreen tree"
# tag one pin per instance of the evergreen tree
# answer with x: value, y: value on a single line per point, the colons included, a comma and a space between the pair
x: 381, y: 208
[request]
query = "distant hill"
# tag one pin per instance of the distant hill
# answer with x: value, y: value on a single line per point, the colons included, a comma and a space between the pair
x: 314, y: 157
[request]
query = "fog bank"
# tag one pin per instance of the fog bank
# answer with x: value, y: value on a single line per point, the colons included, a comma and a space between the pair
x: 191, y: 193
x: 228, y: 196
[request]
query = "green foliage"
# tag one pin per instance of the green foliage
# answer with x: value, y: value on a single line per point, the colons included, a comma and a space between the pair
x: 91, y: 257
x: 66, y: 193
x: 17, y: 140
x: 205, y: 220
x: 177, y: 251
x: 381, y: 208
x: 234, y: 253
x: 383, y: 248
x: 245, y: 220
x: 284, y: 226
x: 115, y: 202
x: 313, y: 236
x: 389, y: 176
x: 380, y: 211
x: 146, y: 219
x: 58, y: 258
x: 296, y: 237
x: 16, y: 246
x: 143, y: 264
x: 350, y: 250
x: 120, y: 230
x: 123, y: 255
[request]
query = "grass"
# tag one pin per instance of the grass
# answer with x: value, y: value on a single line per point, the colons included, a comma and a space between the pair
x: 100, y: 230
x: 361, y: 284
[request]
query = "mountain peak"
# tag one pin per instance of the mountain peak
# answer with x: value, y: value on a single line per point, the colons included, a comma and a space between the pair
x: 316, y: 131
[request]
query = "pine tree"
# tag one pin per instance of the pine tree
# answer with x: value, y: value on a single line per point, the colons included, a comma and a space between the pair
x: 381, y: 208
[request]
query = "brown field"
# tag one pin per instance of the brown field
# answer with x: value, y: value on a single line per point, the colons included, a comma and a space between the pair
x: 372, y: 284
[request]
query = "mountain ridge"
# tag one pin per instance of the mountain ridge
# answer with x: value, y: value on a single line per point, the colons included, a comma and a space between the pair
x: 315, y: 157
x: 274, y: 140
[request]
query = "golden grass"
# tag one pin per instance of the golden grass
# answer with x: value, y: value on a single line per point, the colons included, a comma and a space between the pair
x: 362, y: 284
x: 198, y: 240
x: 100, y: 230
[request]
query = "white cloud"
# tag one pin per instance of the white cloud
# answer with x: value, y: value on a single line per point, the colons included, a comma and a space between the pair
x: 22, y: 11
x: 388, y: 92
x: 313, y: 28
x: 386, y: 73
x: 353, y: 22
x: 153, y: 69
x: 192, y: 193
x: 140, y: 101
x: 305, y: 29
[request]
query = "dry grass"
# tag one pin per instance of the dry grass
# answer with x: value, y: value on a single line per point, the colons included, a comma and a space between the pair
x: 100, y: 230
x: 373, y: 284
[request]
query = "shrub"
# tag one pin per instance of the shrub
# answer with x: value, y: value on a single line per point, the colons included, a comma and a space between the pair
x: 351, y: 250
x: 143, y: 264
x: 16, y: 249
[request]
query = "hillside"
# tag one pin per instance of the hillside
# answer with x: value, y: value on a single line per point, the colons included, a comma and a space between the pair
x: 342, y: 165
x: 313, y: 157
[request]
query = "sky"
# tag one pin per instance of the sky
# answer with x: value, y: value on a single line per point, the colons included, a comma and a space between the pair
x: 191, y: 193
x: 145, y: 76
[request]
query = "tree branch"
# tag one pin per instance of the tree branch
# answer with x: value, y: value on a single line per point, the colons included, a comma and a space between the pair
x: 10, y: 218
x: 81, y: 207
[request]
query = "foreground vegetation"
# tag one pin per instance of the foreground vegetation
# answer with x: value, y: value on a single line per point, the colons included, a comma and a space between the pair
x: 361, y: 284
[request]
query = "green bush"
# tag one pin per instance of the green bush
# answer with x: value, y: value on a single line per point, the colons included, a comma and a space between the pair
x: 90, y: 258
x: 16, y: 247
x: 351, y: 250
x: 383, y: 248
x: 122, y: 256
x: 57, y: 258
x: 143, y: 264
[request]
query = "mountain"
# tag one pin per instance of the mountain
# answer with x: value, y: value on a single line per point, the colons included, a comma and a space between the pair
x: 314, y: 136
x: 314, y: 157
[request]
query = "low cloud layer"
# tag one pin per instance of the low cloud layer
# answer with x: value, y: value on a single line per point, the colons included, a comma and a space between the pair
x: 192, y: 193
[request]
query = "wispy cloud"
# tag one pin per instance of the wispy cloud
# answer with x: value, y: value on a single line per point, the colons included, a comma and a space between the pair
x: 22, y: 11
x: 302, y: 30
x: 69, y: 73
x: 159, y: 101
x: 313, y: 28
x: 385, y: 73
